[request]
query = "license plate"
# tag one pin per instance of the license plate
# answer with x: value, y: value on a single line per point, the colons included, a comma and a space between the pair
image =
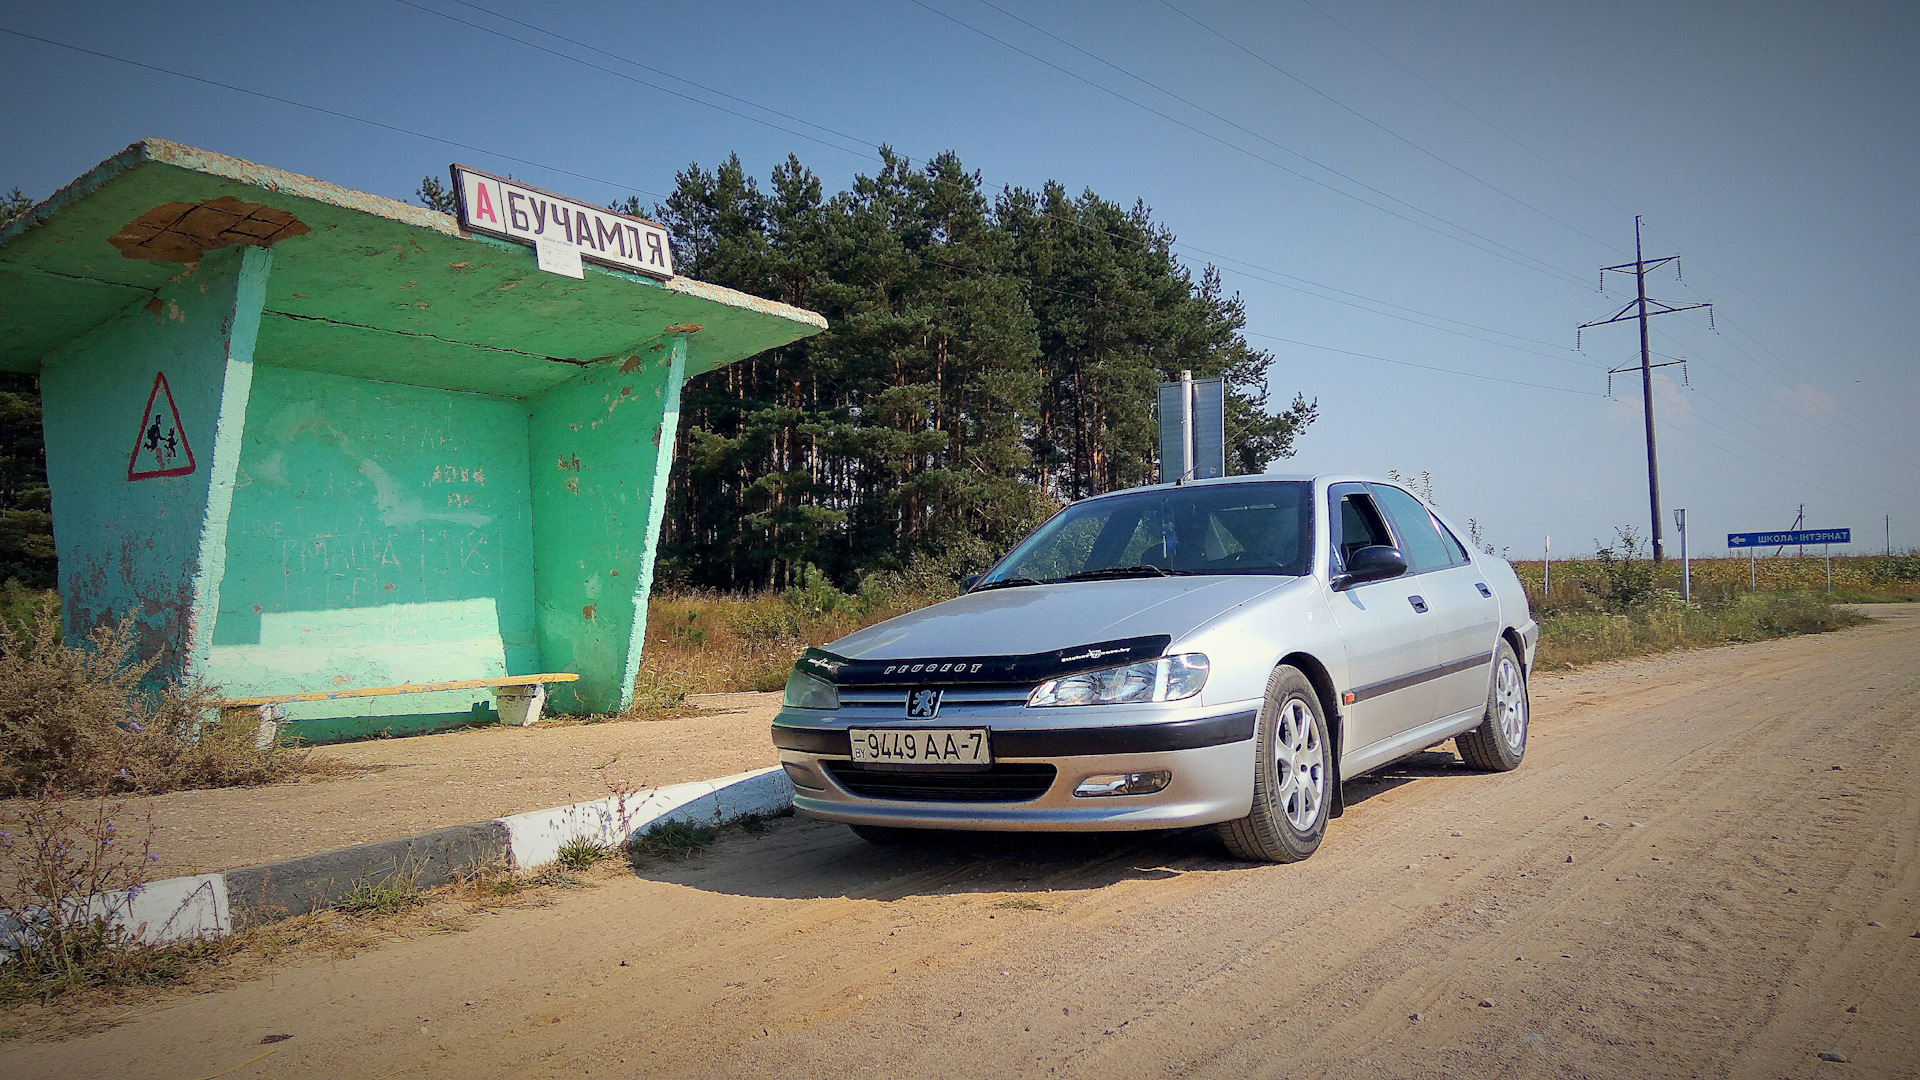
x: 921, y: 746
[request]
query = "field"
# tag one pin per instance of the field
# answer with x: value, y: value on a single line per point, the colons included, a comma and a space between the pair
x: 1598, y: 609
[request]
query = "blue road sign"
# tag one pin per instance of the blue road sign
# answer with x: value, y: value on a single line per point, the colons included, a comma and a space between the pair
x: 1791, y: 536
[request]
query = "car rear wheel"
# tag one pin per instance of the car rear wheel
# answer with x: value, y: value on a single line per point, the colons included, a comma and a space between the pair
x: 1291, y: 772
x: 1500, y: 742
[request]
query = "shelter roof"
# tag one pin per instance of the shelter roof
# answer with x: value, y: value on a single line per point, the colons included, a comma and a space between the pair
x: 360, y: 285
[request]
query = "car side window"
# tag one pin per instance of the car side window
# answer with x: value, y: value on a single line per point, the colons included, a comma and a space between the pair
x: 1357, y: 524
x: 1454, y: 547
x: 1420, y: 539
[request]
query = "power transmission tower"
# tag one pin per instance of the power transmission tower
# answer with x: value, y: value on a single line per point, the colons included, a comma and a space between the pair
x: 1640, y: 309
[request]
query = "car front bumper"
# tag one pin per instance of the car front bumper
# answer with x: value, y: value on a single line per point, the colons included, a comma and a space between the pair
x: 1209, y: 753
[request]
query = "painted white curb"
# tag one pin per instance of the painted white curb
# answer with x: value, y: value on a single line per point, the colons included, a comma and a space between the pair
x: 535, y: 838
x: 172, y: 909
x: 182, y: 908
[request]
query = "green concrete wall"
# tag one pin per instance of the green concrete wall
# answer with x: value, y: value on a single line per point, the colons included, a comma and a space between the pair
x: 136, y: 546
x: 380, y: 534
x: 601, y: 445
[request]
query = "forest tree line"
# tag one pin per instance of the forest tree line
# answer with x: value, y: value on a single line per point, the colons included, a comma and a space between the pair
x: 988, y: 358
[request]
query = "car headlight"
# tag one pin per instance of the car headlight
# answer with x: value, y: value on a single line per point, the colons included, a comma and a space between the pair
x: 1169, y: 678
x: 806, y: 692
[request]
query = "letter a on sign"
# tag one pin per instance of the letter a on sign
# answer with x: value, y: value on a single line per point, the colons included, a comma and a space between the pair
x: 161, y: 447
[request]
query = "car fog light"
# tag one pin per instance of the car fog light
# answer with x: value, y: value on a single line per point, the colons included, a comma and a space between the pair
x: 803, y: 777
x: 1126, y: 783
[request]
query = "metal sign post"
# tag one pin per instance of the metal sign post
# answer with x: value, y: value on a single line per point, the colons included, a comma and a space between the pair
x: 1797, y: 537
x: 1193, y: 429
x: 1686, y: 566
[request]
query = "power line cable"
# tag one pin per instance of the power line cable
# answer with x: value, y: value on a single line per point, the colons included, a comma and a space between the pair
x: 1075, y: 222
x: 1417, y: 322
x: 632, y: 78
x: 664, y: 74
x: 1422, y: 367
x: 1497, y: 129
x: 611, y: 183
x: 329, y: 112
x: 1522, y: 259
x: 1733, y: 323
x: 1488, y: 184
x: 1818, y: 422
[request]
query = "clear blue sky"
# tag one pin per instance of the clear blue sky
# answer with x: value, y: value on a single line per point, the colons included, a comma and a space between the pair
x: 1467, y: 162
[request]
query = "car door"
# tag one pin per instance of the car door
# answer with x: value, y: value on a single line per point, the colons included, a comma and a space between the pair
x: 1389, y: 638
x: 1460, y: 603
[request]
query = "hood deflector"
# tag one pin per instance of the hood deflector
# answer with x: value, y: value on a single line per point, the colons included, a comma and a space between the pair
x: 1023, y: 670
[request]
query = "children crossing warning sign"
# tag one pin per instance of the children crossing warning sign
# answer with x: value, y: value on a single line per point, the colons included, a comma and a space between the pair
x: 161, y: 447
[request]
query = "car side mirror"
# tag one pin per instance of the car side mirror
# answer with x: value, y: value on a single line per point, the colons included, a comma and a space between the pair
x: 967, y: 583
x: 1376, y: 563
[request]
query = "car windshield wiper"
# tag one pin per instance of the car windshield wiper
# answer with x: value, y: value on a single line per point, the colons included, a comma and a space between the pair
x: 1125, y: 572
x: 1008, y: 583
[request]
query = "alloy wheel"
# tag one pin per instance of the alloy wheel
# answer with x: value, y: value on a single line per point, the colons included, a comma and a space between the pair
x: 1301, y: 762
x: 1510, y: 703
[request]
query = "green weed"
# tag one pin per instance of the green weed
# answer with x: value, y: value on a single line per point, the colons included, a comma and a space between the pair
x: 580, y: 853
x: 384, y: 896
x: 671, y: 840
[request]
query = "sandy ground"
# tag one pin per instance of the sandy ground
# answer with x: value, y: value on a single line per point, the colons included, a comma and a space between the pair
x: 452, y: 778
x: 1707, y: 866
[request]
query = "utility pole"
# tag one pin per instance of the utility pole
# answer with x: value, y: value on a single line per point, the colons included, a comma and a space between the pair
x: 1639, y: 309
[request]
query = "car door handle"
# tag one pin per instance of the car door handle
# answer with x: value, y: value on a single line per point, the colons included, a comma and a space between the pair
x: 1484, y: 591
x: 1419, y: 604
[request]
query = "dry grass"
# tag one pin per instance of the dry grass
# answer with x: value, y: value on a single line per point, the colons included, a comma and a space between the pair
x: 709, y: 643
x: 706, y: 643
x: 155, y: 975
x: 85, y: 720
x: 1856, y: 578
x: 1572, y: 638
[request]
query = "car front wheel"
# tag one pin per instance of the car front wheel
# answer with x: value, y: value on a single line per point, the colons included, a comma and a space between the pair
x: 1292, y: 769
x: 1500, y: 742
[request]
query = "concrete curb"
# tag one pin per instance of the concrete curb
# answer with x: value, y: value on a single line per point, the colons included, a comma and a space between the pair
x: 214, y: 905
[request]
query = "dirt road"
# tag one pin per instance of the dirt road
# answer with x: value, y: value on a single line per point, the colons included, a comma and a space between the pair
x: 1706, y: 867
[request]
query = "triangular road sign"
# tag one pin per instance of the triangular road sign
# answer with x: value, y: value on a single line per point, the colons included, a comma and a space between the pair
x: 161, y: 447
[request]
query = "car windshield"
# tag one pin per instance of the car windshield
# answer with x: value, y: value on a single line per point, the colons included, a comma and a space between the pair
x: 1247, y: 528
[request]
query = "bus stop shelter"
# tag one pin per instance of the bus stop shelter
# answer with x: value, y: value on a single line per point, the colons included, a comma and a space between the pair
x: 315, y: 440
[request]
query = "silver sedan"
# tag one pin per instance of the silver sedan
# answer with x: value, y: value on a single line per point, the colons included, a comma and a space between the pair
x: 1220, y: 652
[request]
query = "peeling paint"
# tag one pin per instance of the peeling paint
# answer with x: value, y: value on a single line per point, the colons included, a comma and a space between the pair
x: 588, y: 611
x: 180, y: 232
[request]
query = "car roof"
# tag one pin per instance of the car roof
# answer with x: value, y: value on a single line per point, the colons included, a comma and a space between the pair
x: 1251, y: 478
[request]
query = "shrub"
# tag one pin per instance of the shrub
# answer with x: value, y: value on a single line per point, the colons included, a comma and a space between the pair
x: 1625, y: 579
x: 68, y: 872
x: 82, y: 720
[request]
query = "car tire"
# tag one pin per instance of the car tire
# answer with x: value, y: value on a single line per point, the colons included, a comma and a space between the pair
x: 1499, y: 744
x: 1293, y: 770
x: 887, y: 835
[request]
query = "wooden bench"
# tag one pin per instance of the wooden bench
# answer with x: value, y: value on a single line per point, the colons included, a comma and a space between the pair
x: 519, y: 698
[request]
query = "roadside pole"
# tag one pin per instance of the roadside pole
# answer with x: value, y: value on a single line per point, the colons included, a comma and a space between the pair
x: 1686, y: 566
x: 1753, y: 571
x: 1546, y: 567
x: 1827, y: 553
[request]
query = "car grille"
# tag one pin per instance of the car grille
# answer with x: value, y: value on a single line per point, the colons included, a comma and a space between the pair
x: 1012, y: 782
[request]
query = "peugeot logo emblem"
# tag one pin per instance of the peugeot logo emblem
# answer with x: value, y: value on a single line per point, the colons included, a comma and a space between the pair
x: 923, y: 704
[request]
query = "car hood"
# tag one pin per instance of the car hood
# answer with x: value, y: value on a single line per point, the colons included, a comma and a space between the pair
x: 1042, y: 618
